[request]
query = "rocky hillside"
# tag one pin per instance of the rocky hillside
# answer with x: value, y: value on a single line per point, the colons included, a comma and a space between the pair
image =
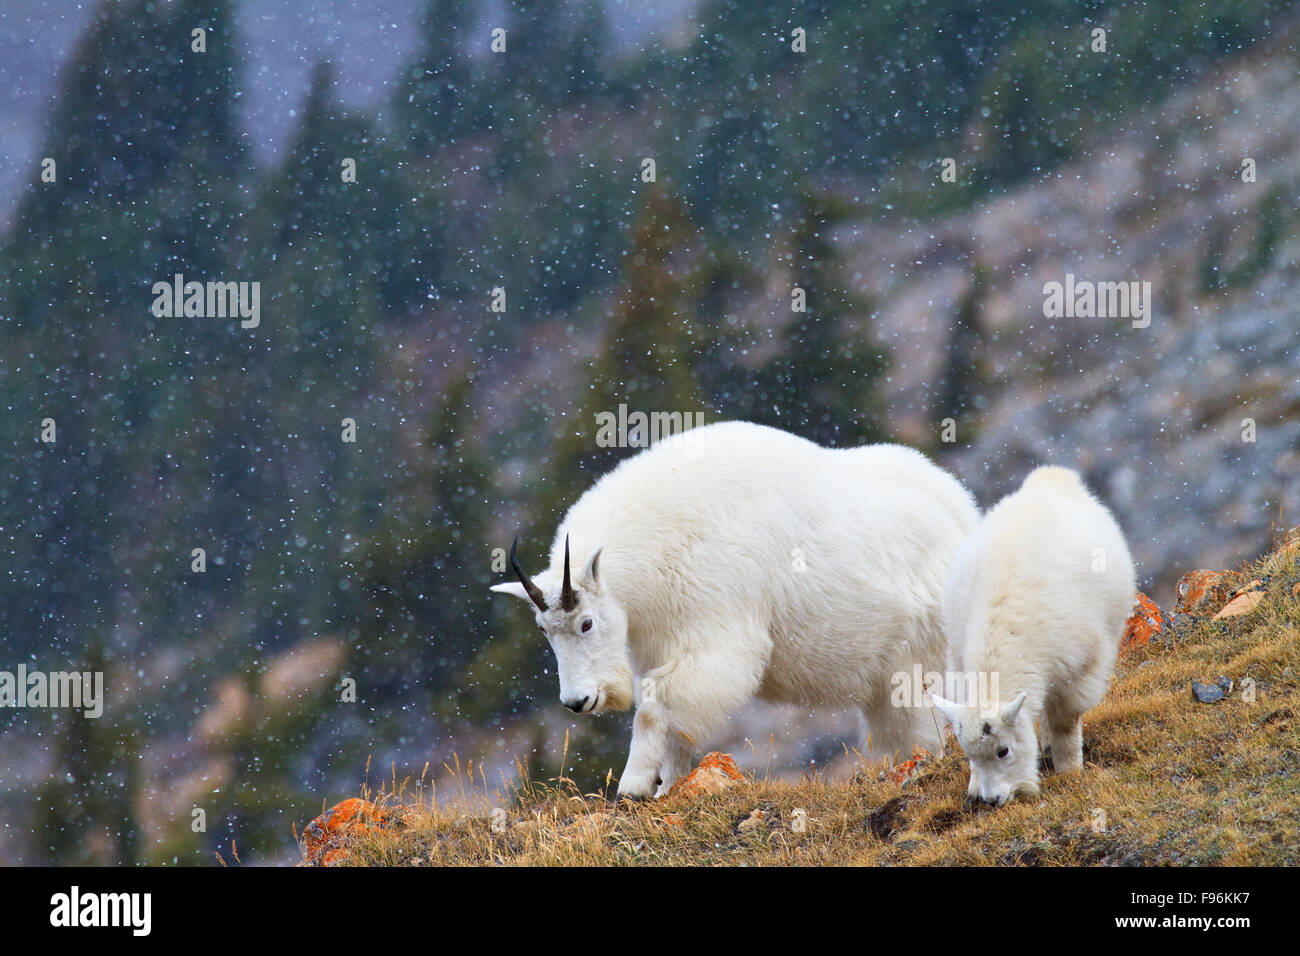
x: 1190, y: 759
x: 1153, y: 416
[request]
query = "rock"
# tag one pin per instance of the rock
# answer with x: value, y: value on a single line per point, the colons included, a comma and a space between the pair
x: 757, y: 818
x: 1280, y: 717
x: 1243, y: 601
x: 1210, y: 693
x: 158, y: 808
x: 305, y: 669
x: 1202, y: 592
x: 324, y: 841
x: 1144, y: 623
x: 716, y: 772
x: 883, y: 821
x: 230, y: 713
x: 909, y: 770
x: 1240, y: 606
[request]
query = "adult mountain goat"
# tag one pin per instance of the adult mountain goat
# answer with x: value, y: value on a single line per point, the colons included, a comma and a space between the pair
x: 1036, y: 601
x: 734, y: 561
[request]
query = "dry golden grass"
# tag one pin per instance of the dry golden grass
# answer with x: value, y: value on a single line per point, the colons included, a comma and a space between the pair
x: 1167, y: 780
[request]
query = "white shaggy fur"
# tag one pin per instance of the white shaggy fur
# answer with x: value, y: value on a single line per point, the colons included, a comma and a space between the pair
x: 735, y: 561
x: 1037, y: 601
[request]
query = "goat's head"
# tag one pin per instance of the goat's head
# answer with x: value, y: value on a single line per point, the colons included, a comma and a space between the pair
x: 587, y: 629
x: 1001, y: 744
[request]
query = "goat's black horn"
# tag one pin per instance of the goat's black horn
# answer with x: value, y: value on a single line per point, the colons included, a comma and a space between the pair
x: 533, y: 590
x: 568, y: 600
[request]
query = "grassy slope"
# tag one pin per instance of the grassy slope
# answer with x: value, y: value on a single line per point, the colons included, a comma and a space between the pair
x: 1179, y: 782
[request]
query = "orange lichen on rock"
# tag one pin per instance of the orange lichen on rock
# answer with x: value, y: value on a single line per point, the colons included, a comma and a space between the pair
x: 716, y: 772
x: 909, y: 770
x: 1144, y: 623
x: 1203, y: 592
x: 325, y: 838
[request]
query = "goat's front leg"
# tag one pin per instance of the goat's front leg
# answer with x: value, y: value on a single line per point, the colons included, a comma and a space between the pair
x: 659, y: 755
x: 683, y: 703
x: 641, y: 777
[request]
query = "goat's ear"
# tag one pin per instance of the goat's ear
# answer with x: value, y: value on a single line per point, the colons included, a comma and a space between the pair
x: 512, y: 587
x: 949, y: 710
x: 1012, y: 709
x: 590, y: 571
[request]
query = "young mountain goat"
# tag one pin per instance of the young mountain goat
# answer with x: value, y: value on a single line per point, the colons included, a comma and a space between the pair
x: 1036, y: 603
x: 734, y: 561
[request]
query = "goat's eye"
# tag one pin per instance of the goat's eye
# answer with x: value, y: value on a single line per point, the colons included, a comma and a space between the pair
x: 586, y: 625
x: 1003, y: 752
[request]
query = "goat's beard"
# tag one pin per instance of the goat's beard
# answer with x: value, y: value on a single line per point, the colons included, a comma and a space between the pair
x: 618, y: 693
x: 618, y: 696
